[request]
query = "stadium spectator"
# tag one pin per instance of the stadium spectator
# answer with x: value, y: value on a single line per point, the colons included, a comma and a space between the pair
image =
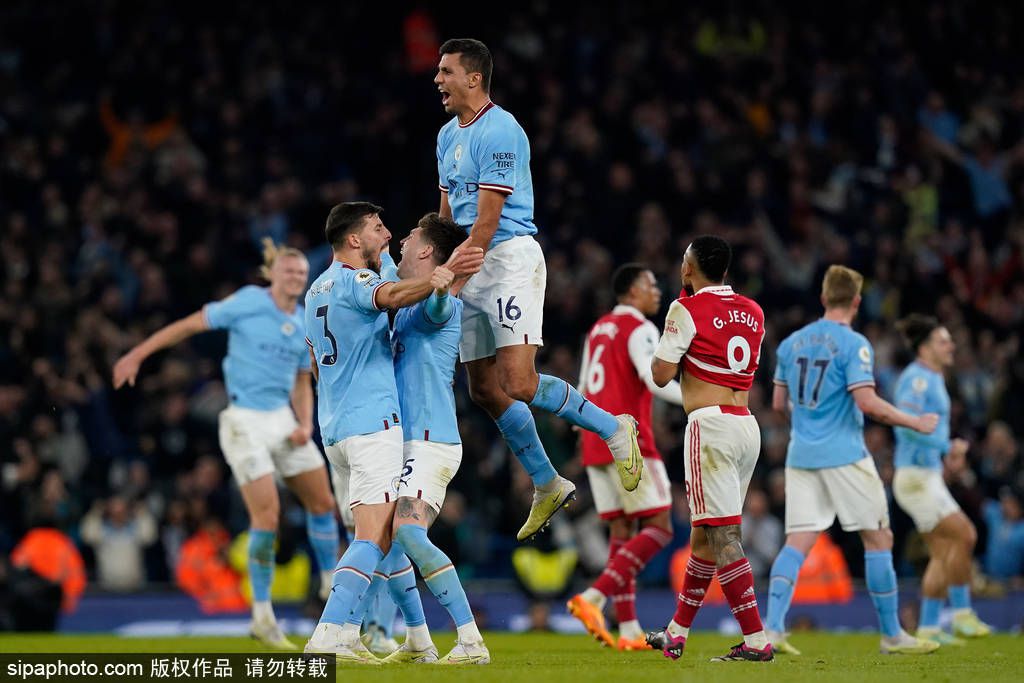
x: 119, y: 531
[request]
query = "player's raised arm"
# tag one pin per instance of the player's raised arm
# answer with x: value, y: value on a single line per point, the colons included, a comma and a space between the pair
x: 877, y: 408
x: 464, y: 262
x: 127, y: 366
x: 488, y: 207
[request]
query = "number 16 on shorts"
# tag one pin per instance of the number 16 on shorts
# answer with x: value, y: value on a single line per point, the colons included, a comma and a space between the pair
x: 508, y: 313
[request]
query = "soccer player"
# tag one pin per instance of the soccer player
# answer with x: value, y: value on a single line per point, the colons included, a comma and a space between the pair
x: 825, y: 375
x: 483, y: 165
x: 715, y: 337
x: 267, y: 373
x: 920, y: 490
x: 616, y: 375
x: 347, y: 330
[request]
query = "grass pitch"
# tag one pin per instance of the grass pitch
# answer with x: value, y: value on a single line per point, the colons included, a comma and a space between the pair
x: 544, y: 658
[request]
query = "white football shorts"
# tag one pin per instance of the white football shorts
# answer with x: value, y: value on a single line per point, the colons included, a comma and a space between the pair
x: 854, y: 492
x: 923, y: 495
x: 653, y: 495
x: 428, y: 469
x: 255, y: 443
x: 373, y: 462
x: 721, y: 447
x: 504, y: 302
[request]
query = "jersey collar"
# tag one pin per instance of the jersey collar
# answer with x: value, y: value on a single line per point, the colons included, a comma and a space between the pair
x: 720, y: 290
x: 483, y: 110
x: 626, y: 309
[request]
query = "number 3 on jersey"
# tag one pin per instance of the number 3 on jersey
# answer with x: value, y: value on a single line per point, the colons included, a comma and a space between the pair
x: 332, y: 357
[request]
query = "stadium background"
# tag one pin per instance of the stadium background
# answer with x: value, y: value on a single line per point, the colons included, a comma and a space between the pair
x: 144, y: 151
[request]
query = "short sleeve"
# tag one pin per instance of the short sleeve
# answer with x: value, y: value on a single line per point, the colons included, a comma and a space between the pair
x: 643, y: 342
x: 860, y: 363
x: 498, y: 156
x: 679, y: 332
x: 364, y: 286
x: 780, y: 365
x: 221, y: 315
x: 441, y: 181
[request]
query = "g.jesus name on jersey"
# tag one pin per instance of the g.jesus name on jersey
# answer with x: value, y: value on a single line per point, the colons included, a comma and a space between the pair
x: 717, y: 334
x: 618, y: 349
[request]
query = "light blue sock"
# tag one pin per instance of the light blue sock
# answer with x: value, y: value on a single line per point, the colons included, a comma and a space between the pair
x: 881, y: 580
x: 930, y: 610
x: 559, y: 397
x: 402, y: 586
x: 520, y: 432
x: 261, y: 563
x: 960, y: 597
x: 362, y: 613
x: 438, y: 572
x: 351, y: 579
x: 322, y: 531
x: 384, y: 611
x: 780, y: 590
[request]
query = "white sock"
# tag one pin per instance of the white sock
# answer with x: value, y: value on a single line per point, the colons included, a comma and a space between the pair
x: 962, y: 612
x: 350, y: 631
x: 631, y: 629
x: 677, y: 631
x: 327, y: 578
x: 595, y: 598
x: 551, y: 485
x: 262, y: 610
x: 756, y: 641
x: 469, y: 633
x: 418, y: 637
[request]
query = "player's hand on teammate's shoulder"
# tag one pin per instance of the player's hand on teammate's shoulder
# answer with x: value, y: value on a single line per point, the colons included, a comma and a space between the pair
x: 441, y: 279
x: 465, y: 260
x: 126, y: 369
x: 927, y: 422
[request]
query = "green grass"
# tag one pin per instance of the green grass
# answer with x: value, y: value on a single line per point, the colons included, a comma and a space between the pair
x: 540, y: 658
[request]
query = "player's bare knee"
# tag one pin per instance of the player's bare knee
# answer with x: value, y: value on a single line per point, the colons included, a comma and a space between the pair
x: 725, y: 543
x: 488, y: 396
x: 265, y: 518
x: 322, y: 504
x: 877, y: 539
x: 620, y: 528
x: 519, y: 385
x: 662, y: 520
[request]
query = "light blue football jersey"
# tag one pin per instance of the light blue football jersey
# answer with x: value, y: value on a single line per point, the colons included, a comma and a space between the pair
x: 921, y: 390
x: 349, y: 336
x: 490, y: 152
x: 820, y: 364
x: 425, y: 354
x: 265, y: 347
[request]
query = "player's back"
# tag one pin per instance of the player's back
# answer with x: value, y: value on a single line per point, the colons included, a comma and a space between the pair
x: 350, y: 340
x: 425, y: 354
x: 725, y: 331
x: 491, y: 152
x: 610, y: 381
x: 921, y: 390
x: 821, y: 364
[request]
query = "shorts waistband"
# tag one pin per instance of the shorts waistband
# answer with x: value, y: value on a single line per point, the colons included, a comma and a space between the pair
x: 718, y: 410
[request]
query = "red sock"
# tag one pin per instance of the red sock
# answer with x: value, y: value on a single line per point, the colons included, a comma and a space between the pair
x: 625, y: 603
x: 630, y: 559
x: 695, y: 584
x: 737, y: 582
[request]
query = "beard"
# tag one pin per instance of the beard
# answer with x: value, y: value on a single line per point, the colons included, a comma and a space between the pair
x: 372, y: 258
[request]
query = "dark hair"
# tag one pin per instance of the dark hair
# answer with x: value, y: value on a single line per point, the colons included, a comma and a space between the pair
x: 347, y: 217
x: 713, y: 256
x: 624, y: 277
x: 443, y: 233
x: 916, y: 328
x: 474, y: 57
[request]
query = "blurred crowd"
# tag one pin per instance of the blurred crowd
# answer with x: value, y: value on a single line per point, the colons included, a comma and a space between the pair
x: 145, y: 151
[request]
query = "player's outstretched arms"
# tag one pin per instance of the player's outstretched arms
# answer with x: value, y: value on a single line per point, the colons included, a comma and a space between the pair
x: 877, y: 408
x: 127, y: 366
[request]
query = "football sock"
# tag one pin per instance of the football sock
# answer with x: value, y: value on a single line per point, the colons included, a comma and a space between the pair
x: 930, y: 610
x: 960, y: 597
x: 519, y: 430
x: 695, y: 585
x: 351, y: 579
x: 261, y: 563
x: 737, y: 581
x: 784, y: 572
x: 322, y: 531
x: 881, y: 580
x: 559, y: 397
x: 383, y: 614
x: 618, y: 578
x: 402, y: 586
x: 438, y: 572
x: 361, y: 613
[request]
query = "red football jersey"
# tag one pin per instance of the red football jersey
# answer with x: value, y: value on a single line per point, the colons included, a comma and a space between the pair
x: 609, y: 377
x: 717, y: 334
